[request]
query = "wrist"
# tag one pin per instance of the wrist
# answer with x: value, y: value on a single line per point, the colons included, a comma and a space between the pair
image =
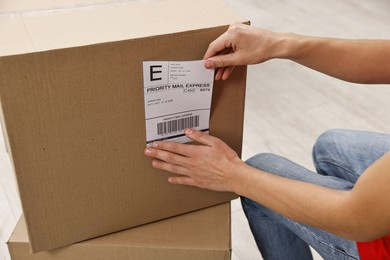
x: 240, y: 174
x: 289, y: 46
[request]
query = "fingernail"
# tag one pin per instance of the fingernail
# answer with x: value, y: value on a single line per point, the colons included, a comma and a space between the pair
x: 188, y: 131
x: 147, y: 151
x: 154, y: 163
x: 209, y: 64
x: 154, y: 145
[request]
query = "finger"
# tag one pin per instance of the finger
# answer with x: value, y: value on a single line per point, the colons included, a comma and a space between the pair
x: 216, y: 46
x: 225, y: 60
x: 183, y: 181
x: 219, y: 73
x: 169, y: 167
x: 174, y: 147
x: 200, y: 137
x: 166, y: 156
x: 227, y: 72
x: 217, y: 61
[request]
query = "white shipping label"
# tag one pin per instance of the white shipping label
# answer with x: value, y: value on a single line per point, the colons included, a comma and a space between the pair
x: 177, y: 96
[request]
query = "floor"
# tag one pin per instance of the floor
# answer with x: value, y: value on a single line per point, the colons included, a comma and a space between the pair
x: 287, y: 105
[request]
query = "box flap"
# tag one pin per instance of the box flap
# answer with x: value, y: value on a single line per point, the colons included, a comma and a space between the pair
x: 198, y: 234
x: 22, y: 6
x: 202, y: 229
x: 32, y: 30
x: 19, y: 235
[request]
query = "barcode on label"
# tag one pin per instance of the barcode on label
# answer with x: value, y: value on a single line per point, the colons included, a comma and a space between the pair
x: 177, y: 125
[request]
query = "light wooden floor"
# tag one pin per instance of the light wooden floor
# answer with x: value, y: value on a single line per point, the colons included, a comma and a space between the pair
x: 288, y: 106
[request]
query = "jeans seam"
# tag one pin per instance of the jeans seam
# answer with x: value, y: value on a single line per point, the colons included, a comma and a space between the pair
x: 336, y: 164
x: 328, y: 245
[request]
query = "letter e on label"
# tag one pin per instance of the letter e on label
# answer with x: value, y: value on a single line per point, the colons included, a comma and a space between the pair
x: 155, y: 73
x: 155, y: 69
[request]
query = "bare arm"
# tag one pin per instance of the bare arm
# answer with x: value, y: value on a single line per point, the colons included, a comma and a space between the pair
x: 360, y: 61
x: 360, y: 214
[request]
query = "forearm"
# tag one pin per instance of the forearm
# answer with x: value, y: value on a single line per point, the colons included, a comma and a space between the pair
x: 359, y: 61
x: 304, y: 202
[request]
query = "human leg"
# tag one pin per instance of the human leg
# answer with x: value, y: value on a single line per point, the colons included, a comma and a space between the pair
x: 278, y: 237
x: 347, y: 153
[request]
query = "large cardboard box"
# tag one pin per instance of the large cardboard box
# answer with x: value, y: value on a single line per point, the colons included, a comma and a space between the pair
x: 71, y: 91
x: 201, y: 235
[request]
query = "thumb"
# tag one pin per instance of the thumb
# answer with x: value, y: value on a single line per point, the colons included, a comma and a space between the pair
x: 219, y: 61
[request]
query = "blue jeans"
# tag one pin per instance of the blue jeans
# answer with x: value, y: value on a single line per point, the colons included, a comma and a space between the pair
x: 340, y: 157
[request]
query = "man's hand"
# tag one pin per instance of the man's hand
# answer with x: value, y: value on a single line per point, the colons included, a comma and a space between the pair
x: 211, y: 165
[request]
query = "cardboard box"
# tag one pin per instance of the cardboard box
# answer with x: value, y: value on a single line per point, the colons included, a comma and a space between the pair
x: 71, y: 92
x: 201, y: 235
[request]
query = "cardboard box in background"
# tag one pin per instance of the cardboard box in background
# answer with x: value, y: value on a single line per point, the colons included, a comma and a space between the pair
x: 201, y: 235
x: 71, y: 91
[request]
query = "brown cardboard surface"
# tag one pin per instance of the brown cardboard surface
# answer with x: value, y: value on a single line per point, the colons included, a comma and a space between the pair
x: 72, y: 97
x: 202, y: 235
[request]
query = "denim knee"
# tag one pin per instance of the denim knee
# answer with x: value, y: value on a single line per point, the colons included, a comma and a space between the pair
x: 266, y: 162
x: 327, y: 140
x: 326, y: 143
